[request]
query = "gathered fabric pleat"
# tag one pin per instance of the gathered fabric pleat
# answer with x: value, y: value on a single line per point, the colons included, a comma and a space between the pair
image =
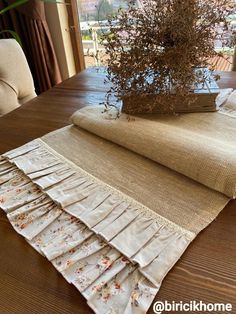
x: 114, y: 250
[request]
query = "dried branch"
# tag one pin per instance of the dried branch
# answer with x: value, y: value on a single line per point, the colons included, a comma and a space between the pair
x: 153, y: 48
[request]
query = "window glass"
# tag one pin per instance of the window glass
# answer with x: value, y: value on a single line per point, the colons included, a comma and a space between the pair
x: 94, y: 16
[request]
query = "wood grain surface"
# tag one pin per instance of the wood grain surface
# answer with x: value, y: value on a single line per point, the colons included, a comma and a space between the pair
x: 29, y: 284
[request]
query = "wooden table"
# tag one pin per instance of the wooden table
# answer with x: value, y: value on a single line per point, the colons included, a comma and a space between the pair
x: 30, y: 284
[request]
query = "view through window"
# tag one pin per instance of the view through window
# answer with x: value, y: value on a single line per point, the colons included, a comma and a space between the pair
x: 93, y: 21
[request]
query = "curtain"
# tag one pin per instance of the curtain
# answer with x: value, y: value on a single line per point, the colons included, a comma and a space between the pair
x: 234, y: 60
x: 29, y: 21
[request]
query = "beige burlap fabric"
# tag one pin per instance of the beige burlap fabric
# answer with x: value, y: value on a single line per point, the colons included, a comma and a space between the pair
x: 182, y: 200
x: 200, y: 146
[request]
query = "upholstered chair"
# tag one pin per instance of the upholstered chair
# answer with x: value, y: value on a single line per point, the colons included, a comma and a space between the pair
x: 16, y: 82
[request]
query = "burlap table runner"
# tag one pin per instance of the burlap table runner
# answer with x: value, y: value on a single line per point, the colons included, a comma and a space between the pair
x: 112, y: 221
x: 201, y: 146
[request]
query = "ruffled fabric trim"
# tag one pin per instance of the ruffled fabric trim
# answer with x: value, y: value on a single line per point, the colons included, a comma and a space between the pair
x: 114, y: 250
x: 228, y: 107
x: 228, y: 112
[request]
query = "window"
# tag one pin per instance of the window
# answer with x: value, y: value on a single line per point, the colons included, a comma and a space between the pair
x: 93, y: 22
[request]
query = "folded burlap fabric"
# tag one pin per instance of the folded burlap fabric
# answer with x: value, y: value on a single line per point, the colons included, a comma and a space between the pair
x: 112, y: 221
x: 201, y: 146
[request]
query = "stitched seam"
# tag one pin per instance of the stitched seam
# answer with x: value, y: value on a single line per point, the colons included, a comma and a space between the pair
x: 8, y: 84
x: 148, y: 212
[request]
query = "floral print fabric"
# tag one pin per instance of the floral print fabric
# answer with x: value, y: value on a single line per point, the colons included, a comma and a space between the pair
x: 102, y: 242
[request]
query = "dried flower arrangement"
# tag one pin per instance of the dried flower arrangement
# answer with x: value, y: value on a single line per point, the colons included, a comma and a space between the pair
x: 162, y: 49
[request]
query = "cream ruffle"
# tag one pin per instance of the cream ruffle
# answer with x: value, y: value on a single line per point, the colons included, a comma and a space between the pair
x: 229, y: 106
x: 114, y: 250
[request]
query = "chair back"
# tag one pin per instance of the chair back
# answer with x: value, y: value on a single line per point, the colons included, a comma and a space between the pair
x: 16, y: 82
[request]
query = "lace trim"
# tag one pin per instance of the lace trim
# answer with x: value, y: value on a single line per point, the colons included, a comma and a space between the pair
x: 106, y: 187
x: 228, y: 112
